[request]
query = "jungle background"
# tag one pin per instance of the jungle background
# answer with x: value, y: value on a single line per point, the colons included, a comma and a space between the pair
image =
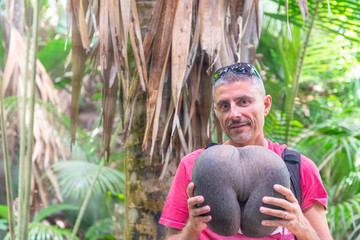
x: 120, y: 92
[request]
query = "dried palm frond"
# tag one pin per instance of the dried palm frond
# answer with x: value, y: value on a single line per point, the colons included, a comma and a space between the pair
x: 111, y: 25
x: 80, y: 43
x: 212, y: 19
x: 183, y: 25
x: 193, y: 37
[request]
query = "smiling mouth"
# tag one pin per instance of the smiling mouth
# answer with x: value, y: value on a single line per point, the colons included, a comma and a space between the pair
x: 238, y: 125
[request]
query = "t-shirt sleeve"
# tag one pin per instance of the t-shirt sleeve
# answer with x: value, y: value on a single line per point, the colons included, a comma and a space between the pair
x: 175, y: 212
x: 312, y: 188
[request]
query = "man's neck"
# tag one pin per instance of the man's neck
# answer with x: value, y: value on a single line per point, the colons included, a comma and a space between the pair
x: 261, y: 142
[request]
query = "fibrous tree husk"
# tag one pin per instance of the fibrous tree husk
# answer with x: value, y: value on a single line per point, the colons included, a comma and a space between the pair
x: 182, y: 34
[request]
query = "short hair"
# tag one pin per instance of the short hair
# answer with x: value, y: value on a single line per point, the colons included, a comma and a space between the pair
x: 231, y: 77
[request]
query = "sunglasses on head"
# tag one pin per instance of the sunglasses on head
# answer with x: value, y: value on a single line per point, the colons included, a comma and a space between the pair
x: 238, y: 68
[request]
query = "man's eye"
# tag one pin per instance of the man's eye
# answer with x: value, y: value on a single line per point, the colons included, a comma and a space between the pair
x: 225, y: 107
x: 244, y: 102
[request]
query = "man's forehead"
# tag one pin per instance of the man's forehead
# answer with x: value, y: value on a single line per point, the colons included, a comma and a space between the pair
x: 236, y: 88
x: 234, y: 98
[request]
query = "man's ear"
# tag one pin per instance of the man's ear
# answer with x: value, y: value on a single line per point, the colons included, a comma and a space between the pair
x: 267, y: 104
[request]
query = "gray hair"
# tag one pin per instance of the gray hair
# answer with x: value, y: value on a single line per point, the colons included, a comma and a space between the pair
x: 231, y: 77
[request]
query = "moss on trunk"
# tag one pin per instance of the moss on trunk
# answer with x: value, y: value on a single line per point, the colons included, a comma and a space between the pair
x: 145, y: 193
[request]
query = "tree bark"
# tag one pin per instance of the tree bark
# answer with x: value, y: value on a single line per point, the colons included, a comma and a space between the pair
x: 145, y: 193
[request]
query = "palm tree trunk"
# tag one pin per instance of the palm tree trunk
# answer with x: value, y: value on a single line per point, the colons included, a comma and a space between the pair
x: 145, y: 193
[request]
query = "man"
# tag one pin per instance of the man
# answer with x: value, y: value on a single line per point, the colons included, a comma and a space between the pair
x: 241, y: 105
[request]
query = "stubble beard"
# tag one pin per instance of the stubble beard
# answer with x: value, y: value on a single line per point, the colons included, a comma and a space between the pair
x: 241, y: 136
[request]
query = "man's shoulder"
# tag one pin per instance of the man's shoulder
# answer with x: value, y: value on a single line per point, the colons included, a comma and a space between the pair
x: 276, y: 147
x: 191, y: 157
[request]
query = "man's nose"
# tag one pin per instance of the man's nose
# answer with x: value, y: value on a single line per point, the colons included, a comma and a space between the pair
x: 235, y: 112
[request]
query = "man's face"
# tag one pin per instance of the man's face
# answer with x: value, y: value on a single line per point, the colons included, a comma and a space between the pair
x: 241, y: 109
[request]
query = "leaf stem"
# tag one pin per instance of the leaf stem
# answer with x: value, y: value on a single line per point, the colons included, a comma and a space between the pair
x: 86, y: 200
x: 7, y: 167
x: 22, y: 143
x: 30, y: 138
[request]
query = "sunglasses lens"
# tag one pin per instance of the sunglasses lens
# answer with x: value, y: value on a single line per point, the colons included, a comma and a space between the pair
x: 238, y: 68
x: 243, y: 68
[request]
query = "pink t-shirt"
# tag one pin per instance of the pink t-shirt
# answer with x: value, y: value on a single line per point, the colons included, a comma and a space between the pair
x: 176, y: 213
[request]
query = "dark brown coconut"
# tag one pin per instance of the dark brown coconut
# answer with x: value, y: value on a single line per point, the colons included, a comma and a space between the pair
x: 233, y: 182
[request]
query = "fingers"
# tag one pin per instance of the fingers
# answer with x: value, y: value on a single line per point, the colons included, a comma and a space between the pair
x: 282, y: 214
x: 190, y: 190
x: 193, y: 201
x: 286, y: 192
x: 195, y: 211
x: 289, y: 215
x: 284, y: 203
x: 286, y: 217
x: 275, y: 223
x: 277, y: 202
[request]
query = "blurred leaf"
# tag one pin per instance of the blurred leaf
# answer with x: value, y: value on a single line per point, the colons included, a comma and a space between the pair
x: 102, y: 229
x: 54, y: 54
x: 75, y: 177
x: 4, y: 224
x: 344, y: 21
x: 97, y: 96
x: 52, y: 209
x: 4, y: 211
x: 40, y: 231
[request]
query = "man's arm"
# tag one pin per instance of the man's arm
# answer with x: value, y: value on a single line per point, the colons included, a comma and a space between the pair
x: 180, y: 234
x: 310, y: 225
x: 317, y: 218
x: 195, y: 223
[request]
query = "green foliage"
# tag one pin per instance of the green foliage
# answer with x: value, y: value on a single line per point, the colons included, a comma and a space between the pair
x: 4, y: 224
x: 45, y: 212
x: 102, y: 229
x: 40, y: 231
x: 326, y: 122
x: 4, y: 211
x: 2, y: 7
x: 75, y: 178
x: 344, y: 19
x: 345, y: 218
x: 53, y: 55
x: 86, y: 162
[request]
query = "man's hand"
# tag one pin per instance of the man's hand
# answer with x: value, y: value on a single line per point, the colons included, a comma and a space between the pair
x: 196, y: 222
x: 292, y: 217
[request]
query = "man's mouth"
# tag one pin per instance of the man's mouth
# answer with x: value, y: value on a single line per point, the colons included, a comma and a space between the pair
x: 238, y: 123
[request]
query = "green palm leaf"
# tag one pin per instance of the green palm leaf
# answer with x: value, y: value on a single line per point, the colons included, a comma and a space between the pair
x: 40, y: 231
x: 75, y: 178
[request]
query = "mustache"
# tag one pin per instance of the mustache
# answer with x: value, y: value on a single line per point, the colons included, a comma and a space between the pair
x: 237, y: 121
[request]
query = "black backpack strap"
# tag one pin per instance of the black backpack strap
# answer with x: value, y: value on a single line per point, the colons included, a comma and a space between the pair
x: 211, y: 144
x: 292, y: 161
